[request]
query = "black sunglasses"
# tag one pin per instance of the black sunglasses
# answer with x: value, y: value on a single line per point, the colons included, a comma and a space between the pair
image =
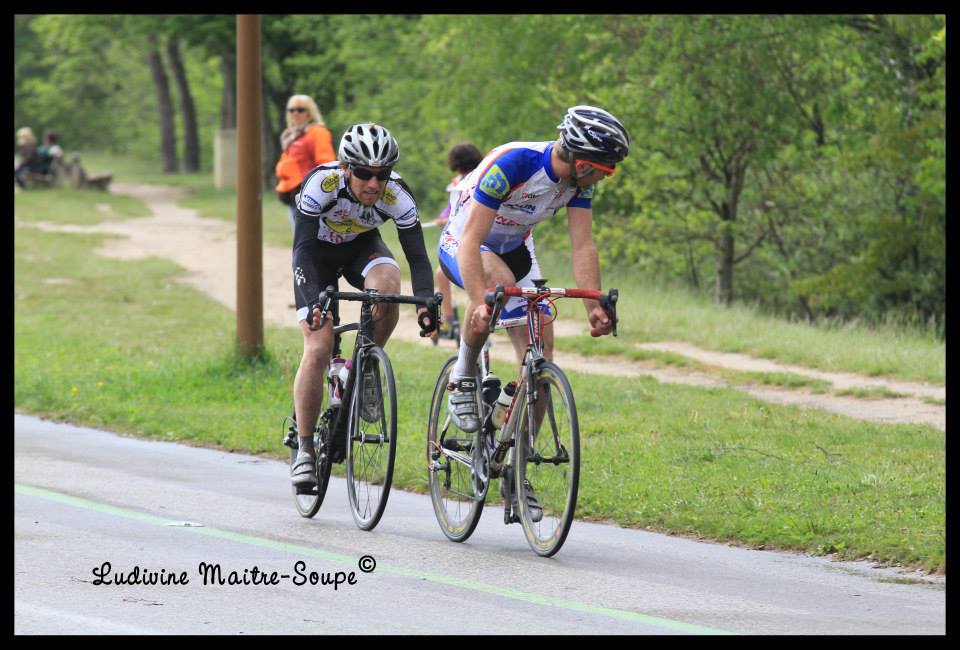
x: 366, y: 174
x: 296, y: 109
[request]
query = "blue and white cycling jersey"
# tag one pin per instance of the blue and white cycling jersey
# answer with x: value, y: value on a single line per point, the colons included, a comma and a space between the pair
x: 517, y: 180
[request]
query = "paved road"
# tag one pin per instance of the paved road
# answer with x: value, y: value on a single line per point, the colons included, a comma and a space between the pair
x: 84, y: 497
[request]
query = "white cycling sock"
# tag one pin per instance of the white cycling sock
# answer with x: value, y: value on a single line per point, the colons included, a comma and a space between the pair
x: 466, y: 365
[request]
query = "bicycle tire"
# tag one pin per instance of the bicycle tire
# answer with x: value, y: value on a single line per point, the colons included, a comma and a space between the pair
x: 308, y: 501
x: 453, y: 490
x: 554, y: 484
x: 372, y: 444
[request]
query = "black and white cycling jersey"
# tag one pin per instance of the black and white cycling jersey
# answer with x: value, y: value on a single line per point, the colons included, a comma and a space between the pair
x: 329, y: 215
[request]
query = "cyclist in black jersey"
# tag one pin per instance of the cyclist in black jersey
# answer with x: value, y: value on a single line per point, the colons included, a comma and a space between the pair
x: 340, y: 207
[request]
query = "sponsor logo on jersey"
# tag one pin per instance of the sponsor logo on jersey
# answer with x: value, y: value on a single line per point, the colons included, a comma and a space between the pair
x: 494, y: 183
x: 330, y: 183
x: 368, y: 216
x: 309, y: 200
x: 529, y: 208
x: 506, y: 221
x: 389, y: 197
x: 587, y: 193
x: 346, y: 227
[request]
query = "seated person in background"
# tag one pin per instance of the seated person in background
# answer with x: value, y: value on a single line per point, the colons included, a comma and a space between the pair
x: 30, y: 161
x: 51, y: 154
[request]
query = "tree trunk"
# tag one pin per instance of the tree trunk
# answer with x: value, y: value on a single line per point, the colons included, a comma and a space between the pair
x: 725, y: 262
x: 168, y: 140
x: 228, y: 98
x: 734, y: 176
x: 191, y: 144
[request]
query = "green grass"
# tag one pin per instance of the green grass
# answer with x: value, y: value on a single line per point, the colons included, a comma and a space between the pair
x: 870, y: 393
x: 76, y: 207
x: 611, y: 347
x: 782, y: 379
x: 648, y: 313
x: 131, y: 169
x: 145, y: 354
x: 222, y: 204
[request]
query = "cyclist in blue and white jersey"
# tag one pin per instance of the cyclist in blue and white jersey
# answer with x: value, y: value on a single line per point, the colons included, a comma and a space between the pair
x: 340, y: 207
x: 489, y: 237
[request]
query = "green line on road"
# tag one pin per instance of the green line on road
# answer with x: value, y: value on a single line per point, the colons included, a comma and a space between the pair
x: 506, y: 592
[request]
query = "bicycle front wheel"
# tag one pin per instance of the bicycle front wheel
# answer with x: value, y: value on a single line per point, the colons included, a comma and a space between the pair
x: 455, y: 490
x: 372, y: 444
x: 547, y: 461
x: 309, y: 499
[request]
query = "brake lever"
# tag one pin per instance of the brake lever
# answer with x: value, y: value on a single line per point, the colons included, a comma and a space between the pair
x: 609, y: 304
x: 433, y: 313
x: 325, y: 300
x: 494, y: 301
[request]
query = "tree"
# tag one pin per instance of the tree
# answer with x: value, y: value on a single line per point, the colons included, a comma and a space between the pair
x: 168, y: 139
x: 191, y: 146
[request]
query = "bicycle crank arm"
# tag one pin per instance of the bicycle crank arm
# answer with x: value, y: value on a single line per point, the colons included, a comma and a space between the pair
x: 460, y: 458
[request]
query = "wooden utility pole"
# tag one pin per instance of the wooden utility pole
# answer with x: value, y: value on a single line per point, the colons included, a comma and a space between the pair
x: 249, y: 189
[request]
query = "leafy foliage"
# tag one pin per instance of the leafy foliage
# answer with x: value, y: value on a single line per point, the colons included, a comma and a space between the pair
x: 794, y: 161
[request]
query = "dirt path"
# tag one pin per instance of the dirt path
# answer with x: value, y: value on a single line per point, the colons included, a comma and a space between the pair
x: 206, y: 249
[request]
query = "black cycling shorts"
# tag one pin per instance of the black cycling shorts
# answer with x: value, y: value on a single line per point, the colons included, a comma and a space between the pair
x: 355, y: 258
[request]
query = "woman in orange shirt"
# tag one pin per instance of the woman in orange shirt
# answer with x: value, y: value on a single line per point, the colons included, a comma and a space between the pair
x: 306, y: 143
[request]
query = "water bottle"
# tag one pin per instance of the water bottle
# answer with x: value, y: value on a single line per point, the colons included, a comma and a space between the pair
x: 336, y: 385
x: 502, y: 404
x: 345, y: 372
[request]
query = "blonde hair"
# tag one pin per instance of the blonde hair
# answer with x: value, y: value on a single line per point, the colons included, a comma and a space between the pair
x: 307, y: 102
x: 26, y: 136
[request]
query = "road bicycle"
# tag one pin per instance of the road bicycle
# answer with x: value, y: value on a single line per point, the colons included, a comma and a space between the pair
x: 537, y: 454
x: 358, y: 426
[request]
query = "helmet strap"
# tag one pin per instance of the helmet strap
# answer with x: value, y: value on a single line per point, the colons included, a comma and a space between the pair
x: 576, y: 176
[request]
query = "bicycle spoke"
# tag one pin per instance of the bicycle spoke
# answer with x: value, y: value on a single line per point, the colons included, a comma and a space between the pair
x: 548, y: 462
x: 456, y: 502
x: 372, y: 443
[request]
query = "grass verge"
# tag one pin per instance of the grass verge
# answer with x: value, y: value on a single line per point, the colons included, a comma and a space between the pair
x: 647, y: 313
x: 144, y: 354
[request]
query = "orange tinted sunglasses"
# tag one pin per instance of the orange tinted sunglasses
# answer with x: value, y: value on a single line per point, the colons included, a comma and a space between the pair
x: 609, y: 170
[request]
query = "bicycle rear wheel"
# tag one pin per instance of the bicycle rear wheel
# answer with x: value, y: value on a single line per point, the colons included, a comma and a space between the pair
x: 372, y: 444
x: 455, y: 492
x: 547, y: 463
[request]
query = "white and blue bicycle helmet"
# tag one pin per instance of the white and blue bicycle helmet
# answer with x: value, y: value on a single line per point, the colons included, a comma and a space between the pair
x: 368, y: 145
x: 594, y: 134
